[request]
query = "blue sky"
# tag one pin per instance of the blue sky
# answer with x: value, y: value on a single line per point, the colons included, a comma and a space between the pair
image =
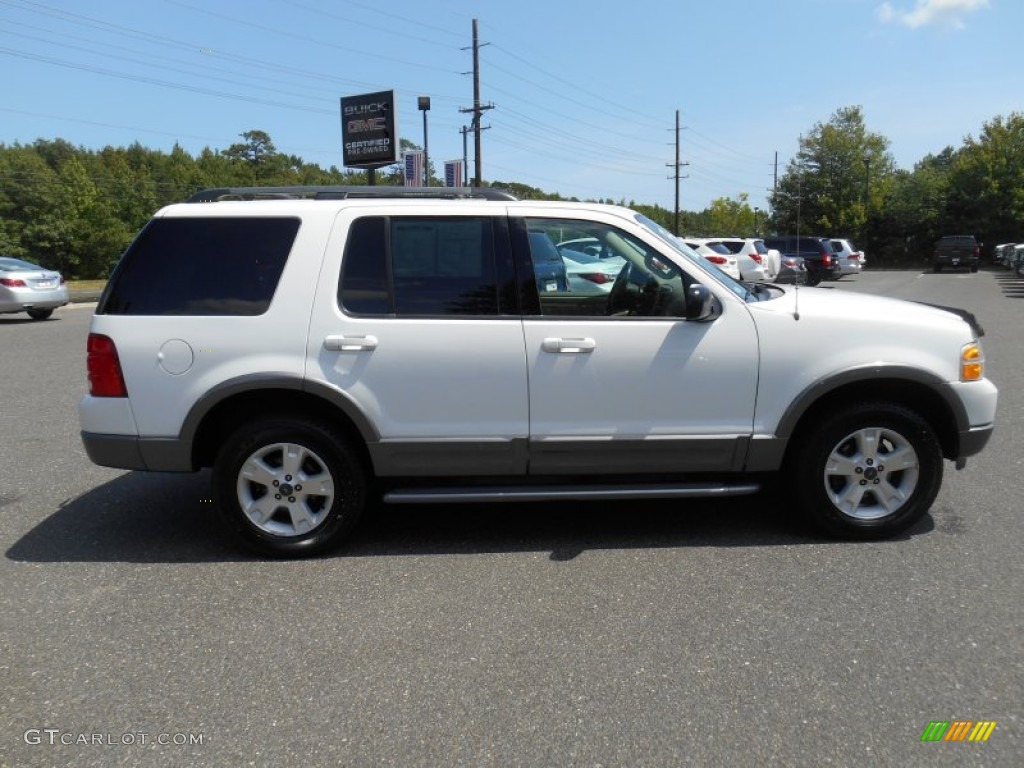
x: 585, y: 93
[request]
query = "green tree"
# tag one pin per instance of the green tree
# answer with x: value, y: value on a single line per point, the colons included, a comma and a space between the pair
x: 836, y: 180
x: 258, y: 152
x: 726, y: 216
x: 986, y: 183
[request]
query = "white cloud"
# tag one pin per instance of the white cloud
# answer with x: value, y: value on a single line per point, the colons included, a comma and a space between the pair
x: 925, y: 12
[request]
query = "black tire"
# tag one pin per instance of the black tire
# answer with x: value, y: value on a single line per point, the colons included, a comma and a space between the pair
x: 40, y: 314
x: 936, y: 267
x: 813, y: 278
x: 299, y: 522
x: 844, y: 460
x: 974, y: 267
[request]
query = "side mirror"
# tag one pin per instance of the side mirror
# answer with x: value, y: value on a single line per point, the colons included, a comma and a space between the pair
x: 700, y: 304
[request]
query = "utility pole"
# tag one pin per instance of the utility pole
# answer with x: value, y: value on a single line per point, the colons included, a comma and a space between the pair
x: 677, y: 165
x: 477, y: 109
x: 775, y: 180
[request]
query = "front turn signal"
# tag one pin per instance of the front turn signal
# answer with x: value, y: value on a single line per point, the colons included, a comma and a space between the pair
x: 972, y: 362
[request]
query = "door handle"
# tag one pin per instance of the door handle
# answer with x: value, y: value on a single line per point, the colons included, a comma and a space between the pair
x: 569, y: 346
x: 350, y: 343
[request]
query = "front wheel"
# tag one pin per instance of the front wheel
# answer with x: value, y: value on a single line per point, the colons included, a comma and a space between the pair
x: 869, y: 471
x: 288, y: 487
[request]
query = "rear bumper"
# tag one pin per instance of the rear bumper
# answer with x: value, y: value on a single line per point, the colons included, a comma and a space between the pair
x: 131, y: 452
x: 956, y: 261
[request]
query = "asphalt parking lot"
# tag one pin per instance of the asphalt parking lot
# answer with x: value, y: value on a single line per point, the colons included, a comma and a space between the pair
x: 619, y: 634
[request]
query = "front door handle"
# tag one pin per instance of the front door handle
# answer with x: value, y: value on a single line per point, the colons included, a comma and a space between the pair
x: 350, y: 343
x: 569, y: 346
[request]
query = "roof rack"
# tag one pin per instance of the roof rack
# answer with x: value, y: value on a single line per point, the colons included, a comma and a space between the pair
x: 343, y: 192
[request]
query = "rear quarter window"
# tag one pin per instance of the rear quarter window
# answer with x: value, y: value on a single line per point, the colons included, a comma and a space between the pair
x: 201, y: 266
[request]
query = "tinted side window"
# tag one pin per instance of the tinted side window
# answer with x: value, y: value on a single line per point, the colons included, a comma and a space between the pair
x: 364, y: 288
x: 201, y: 266
x: 420, y: 266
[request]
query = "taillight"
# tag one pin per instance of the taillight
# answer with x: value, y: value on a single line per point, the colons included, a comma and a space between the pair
x: 826, y: 260
x: 977, y: 252
x: 105, y: 378
x: 11, y: 282
x: 756, y: 257
x: 716, y: 259
x: 598, y: 277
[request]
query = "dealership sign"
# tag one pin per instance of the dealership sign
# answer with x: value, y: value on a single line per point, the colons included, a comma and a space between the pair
x: 369, y: 132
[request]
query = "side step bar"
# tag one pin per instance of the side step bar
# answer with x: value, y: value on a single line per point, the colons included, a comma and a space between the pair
x: 562, y: 492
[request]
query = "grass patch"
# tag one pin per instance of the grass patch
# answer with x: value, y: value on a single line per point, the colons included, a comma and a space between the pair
x: 86, y: 285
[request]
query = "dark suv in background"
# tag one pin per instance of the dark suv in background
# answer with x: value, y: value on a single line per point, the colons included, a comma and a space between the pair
x: 956, y: 251
x: 822, y: 263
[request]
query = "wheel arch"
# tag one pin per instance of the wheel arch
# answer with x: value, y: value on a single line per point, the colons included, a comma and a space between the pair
x: 917, y: 390
x: 234, y: 403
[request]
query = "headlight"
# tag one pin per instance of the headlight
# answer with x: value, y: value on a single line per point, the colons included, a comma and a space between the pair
x: 972, y: 362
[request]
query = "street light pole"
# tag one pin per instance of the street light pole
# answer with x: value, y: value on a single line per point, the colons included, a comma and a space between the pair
x: 423, y: 102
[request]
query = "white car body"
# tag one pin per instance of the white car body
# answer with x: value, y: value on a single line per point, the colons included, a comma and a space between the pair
x: 723, y: 259
x: 679, y: 370
x: 750, y: 256
x: 590, y: 274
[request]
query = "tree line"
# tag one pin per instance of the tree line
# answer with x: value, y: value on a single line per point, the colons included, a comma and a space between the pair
x: 76, y: 209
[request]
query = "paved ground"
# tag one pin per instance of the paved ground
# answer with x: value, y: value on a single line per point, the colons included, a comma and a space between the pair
x: 582, y: 634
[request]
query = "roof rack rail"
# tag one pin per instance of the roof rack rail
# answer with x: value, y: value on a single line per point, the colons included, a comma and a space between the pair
x: 343, y: 192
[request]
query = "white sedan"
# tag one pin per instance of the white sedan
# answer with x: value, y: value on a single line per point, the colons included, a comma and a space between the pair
x: 590, y: 274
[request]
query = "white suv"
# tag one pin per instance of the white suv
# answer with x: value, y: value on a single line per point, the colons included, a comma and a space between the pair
x: 375, y: 343
x: 752, y: 255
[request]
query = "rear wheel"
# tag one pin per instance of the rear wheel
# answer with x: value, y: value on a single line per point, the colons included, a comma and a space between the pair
x: 869, y: 471
x: 40, y: 314
x: 288, y: 487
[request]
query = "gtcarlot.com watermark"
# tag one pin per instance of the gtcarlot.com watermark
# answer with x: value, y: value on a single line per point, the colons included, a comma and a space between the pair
x: 55, y: 736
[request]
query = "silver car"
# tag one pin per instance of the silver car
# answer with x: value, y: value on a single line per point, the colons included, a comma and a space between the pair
x: 851, y: 260
x: 27, y: 287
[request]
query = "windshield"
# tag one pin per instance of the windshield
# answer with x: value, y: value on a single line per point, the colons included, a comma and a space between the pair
x: 667, y: 237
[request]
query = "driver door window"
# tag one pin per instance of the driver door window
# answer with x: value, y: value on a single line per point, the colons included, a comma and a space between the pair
x: 608, y: 272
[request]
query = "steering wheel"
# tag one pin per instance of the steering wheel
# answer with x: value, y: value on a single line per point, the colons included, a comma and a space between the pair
x: 622, y: 297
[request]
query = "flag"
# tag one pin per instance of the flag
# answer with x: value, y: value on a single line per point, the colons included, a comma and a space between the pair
x: 453, y: 173
x: 413, y: 169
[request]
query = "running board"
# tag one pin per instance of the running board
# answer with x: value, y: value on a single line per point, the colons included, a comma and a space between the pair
x: 574, y: 492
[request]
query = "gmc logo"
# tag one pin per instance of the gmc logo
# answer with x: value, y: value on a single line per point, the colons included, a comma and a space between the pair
x: 370, y: 124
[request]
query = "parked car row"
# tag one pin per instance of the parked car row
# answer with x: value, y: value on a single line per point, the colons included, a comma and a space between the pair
x: 781, y: 258
x: 1011, y: 256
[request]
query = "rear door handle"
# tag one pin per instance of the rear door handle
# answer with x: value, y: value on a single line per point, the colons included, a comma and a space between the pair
x: 569, y: 346
x: 350, y: 343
